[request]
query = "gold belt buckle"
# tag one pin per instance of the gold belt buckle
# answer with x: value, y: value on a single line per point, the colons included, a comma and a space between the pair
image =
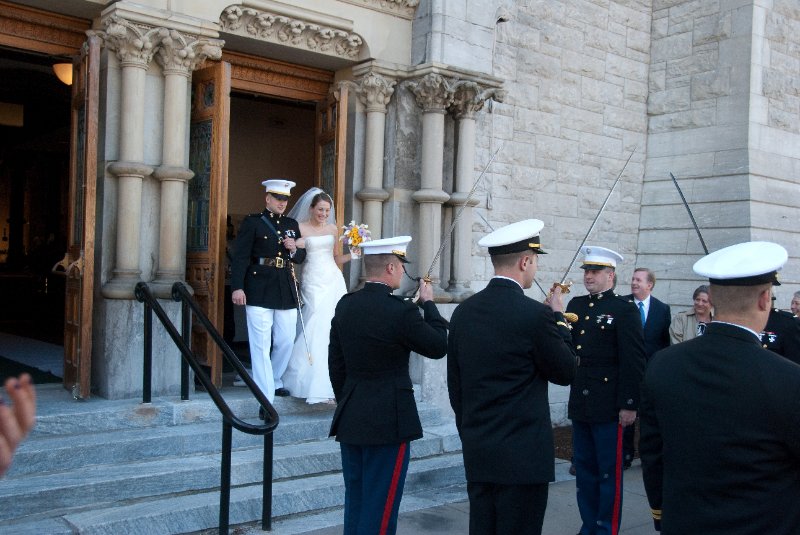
x: 279, y: 262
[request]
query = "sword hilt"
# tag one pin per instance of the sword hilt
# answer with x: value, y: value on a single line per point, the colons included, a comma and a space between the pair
x: 565, y: 287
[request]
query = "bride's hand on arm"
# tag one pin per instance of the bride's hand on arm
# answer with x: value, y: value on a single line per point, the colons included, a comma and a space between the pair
x: 300, y: 243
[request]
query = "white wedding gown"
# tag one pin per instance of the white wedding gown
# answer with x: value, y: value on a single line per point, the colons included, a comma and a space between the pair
x: 322, y: 285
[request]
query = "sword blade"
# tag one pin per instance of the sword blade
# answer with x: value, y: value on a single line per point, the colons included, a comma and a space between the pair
x: 691, y: 216
x: 449, y: 233
x: 599, y: 212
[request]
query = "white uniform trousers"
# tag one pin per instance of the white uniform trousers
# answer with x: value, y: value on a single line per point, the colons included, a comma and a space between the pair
x: 267, y: 328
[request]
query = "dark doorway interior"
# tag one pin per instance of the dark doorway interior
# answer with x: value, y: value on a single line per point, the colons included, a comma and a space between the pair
x: 34, y: 182
x: 269, y: 138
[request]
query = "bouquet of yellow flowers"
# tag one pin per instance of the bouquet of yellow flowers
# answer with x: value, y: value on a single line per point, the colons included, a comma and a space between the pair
x: 354, y: 234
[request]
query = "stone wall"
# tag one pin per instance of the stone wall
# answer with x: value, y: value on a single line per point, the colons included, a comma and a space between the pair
x: 723, y: 88
x: 698, y: 102
x: 774, y: 132
x: 576, y: 79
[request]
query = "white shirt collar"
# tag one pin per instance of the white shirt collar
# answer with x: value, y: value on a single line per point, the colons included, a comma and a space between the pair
x: 646, y: 304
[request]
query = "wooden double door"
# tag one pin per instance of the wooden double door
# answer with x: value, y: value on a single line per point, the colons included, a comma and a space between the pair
x: 210, y: 159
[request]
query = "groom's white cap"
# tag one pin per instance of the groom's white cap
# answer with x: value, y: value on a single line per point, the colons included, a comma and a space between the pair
x: 278, y: 186
x: 396, y: 246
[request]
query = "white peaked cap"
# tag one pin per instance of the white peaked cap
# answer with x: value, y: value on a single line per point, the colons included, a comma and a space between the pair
x: 279, y: 186
x: 515, y: 238
x: 396, y: 246
x: 744, y: 264
x: 599, y: 257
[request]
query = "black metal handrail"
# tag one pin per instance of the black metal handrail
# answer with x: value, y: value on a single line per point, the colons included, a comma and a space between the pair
x: 229, y: 419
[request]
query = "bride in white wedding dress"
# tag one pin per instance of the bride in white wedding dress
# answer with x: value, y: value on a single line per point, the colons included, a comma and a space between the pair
x: 322, y: 285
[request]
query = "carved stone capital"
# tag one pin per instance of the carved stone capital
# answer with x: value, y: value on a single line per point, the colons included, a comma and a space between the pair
x: 469, y: 97
x: 179, y: 54
x: 433, y: 92
x: 374, y: 91
x: 134, y: 44
x: 288, y: 31
x: 401, y: 8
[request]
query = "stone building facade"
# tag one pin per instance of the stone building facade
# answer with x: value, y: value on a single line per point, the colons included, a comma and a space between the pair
x: 550, y: 98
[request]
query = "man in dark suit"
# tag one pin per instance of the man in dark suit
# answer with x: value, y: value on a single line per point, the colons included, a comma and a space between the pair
x: 782, y: 334
x: 372, y: 335
x: 262, y: 278
x: 720, y: 422
x: 604, y: 396
x: 503, y: 349
x: 656, y: 318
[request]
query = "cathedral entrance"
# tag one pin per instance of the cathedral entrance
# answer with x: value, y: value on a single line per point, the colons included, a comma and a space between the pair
x: 35, y: 122
x: 252, y: 119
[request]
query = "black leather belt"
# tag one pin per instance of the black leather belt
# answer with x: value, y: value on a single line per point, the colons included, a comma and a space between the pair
x: 271, y: 262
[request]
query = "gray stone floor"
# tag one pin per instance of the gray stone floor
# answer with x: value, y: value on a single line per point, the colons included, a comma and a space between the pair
x: 561, y: 518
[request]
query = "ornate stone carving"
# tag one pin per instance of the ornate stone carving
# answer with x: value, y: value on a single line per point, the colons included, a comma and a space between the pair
x: 291, y: 32
x: 402, y: 8
x: 433, y: 92
x: 134, y: 44
x: 469, y: 97
x: 375, y: 91
x: 52, y: 33
x: 179, y: 54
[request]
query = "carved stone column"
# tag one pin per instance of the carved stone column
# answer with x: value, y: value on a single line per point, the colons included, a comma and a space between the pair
x: 134, y: 47
x: 433, y: 95
x: 178, y: 56
x: 374, y: 92
x: 467, y: 101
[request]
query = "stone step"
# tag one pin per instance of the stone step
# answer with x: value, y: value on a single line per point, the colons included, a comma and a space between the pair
x: 43, y: 454
x: 59, y: 414
x: 334, y: 517
x: 91, y: 486
x: 200, y: 511
x: 46, y: 452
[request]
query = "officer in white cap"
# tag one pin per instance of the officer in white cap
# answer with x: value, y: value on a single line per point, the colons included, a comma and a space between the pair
x: 720, y: 422
x: 604, y: 397
x: 262, y: 279
x: 372, y: 336
x: 503, y: 349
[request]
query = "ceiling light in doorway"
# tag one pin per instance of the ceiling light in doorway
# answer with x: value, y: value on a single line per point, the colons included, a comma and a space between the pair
x: 63, y: 72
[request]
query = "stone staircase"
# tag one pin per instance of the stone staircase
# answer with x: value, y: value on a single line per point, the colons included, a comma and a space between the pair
x: 113, y: 467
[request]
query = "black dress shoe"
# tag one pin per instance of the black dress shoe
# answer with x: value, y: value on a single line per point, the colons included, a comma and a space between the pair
x: 262, y: 414
x: 572, y: 470
x: 281, y: 392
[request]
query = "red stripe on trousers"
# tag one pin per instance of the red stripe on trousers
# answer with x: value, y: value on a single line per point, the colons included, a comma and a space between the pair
x: 398, y: 467
x: 618, y: 484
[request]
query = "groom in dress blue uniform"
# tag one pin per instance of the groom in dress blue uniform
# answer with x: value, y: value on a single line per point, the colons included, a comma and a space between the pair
x: 262, y: 279
x: 372, y: 335
x: 605, y: 393
x: 720, y: 419
x: 503, y: 349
